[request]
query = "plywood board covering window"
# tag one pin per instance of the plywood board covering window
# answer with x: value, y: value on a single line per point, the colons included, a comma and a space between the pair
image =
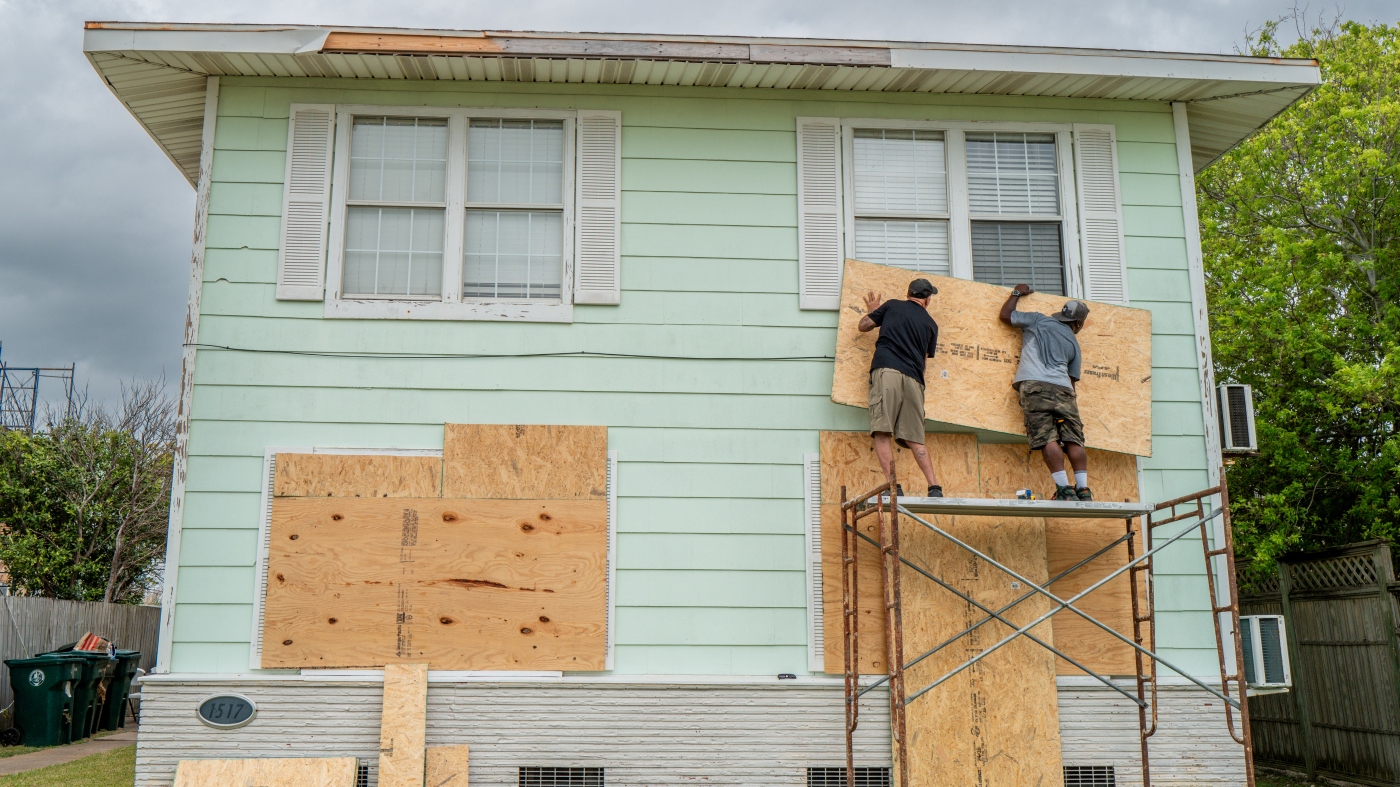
x: 370, y: 561
x: 968, y: 382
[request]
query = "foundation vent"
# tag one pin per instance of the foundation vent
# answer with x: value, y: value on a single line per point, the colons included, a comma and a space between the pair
x: 366, y: 774
x: 532, y: 776
x: 1089, y: 776
x: 836, y: 777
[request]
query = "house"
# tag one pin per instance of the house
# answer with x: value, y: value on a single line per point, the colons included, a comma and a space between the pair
x: 406, y: 238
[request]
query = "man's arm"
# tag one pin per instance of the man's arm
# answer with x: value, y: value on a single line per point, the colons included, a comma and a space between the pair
x: 1010, y: 305
x: 872, y: 302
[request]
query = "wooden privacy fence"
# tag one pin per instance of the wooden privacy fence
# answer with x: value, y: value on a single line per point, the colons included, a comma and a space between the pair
x: 30, y: 625
x: 1342, y: 717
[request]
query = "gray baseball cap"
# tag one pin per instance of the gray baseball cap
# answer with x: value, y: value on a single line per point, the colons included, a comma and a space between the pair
x: 922, y: 288
x: 1073, y: 311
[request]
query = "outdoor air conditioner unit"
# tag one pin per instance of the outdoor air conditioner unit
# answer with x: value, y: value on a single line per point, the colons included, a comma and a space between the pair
x: 1266, y: 669
x: 1236, y: 408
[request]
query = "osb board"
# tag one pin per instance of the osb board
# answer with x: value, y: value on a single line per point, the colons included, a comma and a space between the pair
x: 525, y: 462
x: 358, y: 475
x: 272, y: 772
x: 459, y: 584
x: 447, y: 766
x: 848, y: 458
x: 998, y: 721
x: 403, y: 727
x: 986, y: 470
x: 969, y: 381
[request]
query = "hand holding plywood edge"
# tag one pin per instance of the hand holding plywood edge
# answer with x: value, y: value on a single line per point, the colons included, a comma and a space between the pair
x: 969, y: 382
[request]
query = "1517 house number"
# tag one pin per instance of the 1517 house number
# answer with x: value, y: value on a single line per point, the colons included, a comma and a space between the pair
x: 227, y: 711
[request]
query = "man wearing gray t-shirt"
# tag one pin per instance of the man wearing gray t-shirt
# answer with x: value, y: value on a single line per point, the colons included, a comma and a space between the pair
x: 1045, y: 379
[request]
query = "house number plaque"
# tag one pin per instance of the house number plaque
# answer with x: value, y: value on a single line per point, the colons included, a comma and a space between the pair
x: 227, y: 711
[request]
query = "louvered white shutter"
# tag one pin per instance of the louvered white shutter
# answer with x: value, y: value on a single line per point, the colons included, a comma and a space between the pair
x: 306, y: 200
x: 819, y: 249
x: 597, y: 252
x: 812, y: 509
x: 1100, y: 214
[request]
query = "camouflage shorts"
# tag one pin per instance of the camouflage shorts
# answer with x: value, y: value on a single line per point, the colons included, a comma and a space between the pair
x: 1052, y: 414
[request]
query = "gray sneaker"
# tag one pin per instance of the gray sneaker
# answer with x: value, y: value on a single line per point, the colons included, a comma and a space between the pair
x: 1065, y: 493
x: 1085, y: 496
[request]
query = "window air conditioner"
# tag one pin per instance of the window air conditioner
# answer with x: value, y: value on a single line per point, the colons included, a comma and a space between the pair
x: 1236, y: 408
x: 1266, y: 669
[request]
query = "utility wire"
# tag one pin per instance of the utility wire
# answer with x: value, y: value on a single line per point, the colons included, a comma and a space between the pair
x: 490, y: 356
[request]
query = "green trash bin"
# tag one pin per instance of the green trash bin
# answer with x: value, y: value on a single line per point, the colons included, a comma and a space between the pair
x: 114, y: 710
x: 84, y: 690
x: 43, y: 688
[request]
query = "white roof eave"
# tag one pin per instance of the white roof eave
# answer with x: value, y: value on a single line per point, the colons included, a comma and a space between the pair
x: 1235, y: 95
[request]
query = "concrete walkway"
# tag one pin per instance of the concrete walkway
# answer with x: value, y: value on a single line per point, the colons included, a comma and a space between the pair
x: 57, y: 755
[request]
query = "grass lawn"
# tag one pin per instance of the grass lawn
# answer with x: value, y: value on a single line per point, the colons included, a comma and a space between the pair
x: 116, y: 768
x: 12, y: 751
x: 1262, y: 779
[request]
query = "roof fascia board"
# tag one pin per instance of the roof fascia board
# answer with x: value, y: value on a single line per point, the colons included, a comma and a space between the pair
x: 277, y: 41
x: 1271, y: 72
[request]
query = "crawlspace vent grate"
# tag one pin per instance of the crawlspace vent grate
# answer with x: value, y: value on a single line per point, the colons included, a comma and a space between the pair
x: 836, y: 777
x: 1089, y: 776
x: 561, y: 777
x: 362, y: 775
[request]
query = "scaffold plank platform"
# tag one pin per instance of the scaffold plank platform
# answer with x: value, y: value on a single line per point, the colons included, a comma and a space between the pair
x: 1049, y: 509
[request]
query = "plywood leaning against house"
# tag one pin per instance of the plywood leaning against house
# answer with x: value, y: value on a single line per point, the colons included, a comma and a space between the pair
x: 491, y: 581
x: 966, y: 467
x: 272, y: 772
x: 447, y: 766
x: 403, y: 726
x: 969, y: 382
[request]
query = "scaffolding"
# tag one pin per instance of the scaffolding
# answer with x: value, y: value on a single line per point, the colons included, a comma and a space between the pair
x: 19, y: 393
x: 884, y: 503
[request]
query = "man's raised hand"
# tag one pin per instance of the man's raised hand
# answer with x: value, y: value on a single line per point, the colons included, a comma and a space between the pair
x: 872, y: 301
x: 1023, y: 289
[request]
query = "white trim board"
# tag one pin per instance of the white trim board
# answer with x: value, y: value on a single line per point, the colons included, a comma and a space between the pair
x: 182, y: 424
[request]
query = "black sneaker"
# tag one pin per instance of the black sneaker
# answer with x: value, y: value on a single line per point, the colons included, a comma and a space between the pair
x: 899, y: 489
x: 1065, y: 493
x: 1085, y: 496
x: 935, y: 491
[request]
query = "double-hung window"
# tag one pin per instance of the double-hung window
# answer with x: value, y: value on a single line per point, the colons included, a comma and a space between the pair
x: 988, y: 205
x: 1013, y: 190
x: 451, y: 213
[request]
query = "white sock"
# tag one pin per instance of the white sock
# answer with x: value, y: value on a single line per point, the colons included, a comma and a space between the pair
x: 1081, y: 478
x: 1061, y: 478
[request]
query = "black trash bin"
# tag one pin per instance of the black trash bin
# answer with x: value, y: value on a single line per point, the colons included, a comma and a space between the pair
x: 44, y: 698
x: 114, y: 710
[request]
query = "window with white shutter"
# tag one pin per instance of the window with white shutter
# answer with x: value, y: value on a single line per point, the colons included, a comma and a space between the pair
x: 819, y: 215
x: 598, y: 268
x: 457, y: 213
x: 901, y: 198
x: 306, y: 198
x: 1100, y: 214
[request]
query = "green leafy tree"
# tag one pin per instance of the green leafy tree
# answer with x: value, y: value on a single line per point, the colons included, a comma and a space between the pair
x: 1301, y: 231
x: 84, y: 505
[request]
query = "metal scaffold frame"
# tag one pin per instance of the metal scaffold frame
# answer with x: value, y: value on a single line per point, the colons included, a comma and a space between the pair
x: 884, y: 503
x: 19, y: 393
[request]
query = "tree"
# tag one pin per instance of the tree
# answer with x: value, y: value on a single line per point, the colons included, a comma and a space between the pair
x: 85, y: 504
x: 1301, y: 233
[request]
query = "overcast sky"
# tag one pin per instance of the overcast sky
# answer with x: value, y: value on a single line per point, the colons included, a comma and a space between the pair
x: 95, y: 222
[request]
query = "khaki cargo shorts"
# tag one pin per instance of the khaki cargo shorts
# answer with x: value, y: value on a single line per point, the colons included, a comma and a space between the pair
x: 897, y: 406
x: 1052, y: 414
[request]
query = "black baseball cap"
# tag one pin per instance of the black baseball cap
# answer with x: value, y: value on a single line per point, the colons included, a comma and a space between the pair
x: 1073, y: 311
x: 922, y: 288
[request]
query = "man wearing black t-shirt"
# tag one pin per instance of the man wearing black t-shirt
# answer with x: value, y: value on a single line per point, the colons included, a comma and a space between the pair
x: 908, y: 335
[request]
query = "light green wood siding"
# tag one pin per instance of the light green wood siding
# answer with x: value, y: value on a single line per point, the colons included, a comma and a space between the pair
x: 711, y: 575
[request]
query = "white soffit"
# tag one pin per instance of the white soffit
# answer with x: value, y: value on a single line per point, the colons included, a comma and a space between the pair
x: 159, y: 70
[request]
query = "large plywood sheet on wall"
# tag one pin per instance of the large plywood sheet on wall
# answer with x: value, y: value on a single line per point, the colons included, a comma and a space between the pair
x: 403, y: 726
x: 969, y: 382
x: 517, y: 461
x: 458, y: 583
x: 996, y: 722
x: 268, y: 772
x: 356, y: 475
x: 848, y: 459
x: 986, y: 470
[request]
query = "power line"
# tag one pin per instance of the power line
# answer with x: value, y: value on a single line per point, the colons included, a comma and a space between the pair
x: 493, y: 356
